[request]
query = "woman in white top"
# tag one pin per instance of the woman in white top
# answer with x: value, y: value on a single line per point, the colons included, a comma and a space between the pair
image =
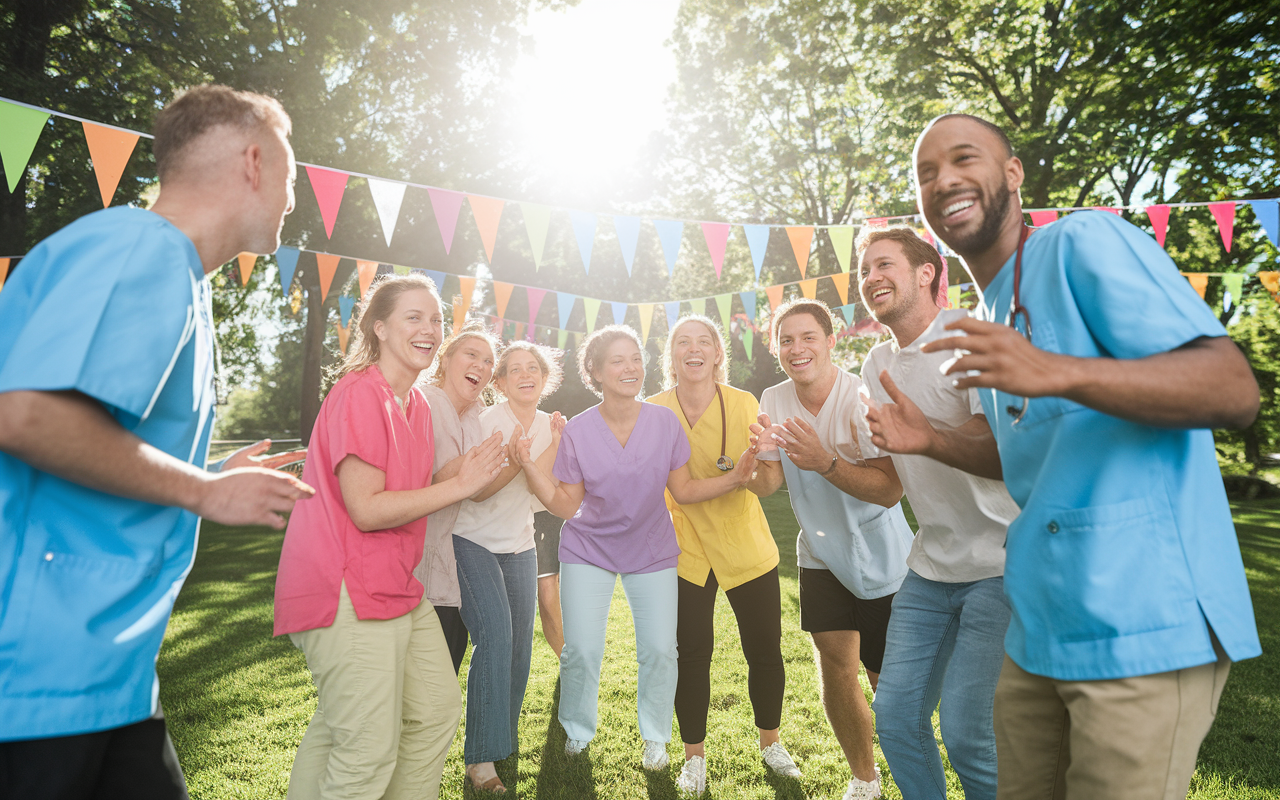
x: 497, y: 562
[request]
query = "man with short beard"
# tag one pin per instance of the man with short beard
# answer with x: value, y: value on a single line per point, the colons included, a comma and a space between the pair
x: 946, y: 635
x: 1101, y: 372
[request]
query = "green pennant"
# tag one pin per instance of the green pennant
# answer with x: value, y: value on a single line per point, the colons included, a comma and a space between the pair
x: 725, y: 304
x: 562, y: 337
x: 748, y: 340
x: 842, y: 241
x: 20, y: 129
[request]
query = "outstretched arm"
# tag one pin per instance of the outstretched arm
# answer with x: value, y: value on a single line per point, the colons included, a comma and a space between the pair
x: 687, y: 490
x: 875, y: 482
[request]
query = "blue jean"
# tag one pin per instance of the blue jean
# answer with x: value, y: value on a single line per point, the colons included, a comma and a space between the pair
x: 585, y: 594
x: 499, y: 597
x: 945, y: 642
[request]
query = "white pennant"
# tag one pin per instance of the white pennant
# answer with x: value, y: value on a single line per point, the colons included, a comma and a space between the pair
x: 387, y: 197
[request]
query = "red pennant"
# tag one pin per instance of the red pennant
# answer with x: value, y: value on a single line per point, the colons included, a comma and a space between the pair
x: 1159, y: 216
x: 110, y: 149
x: 717, y: 235
x: 878, y: 222
x: 1041, y: 218
x: 535, y: 302
x: 328, y: 185
x: 1115, y: 211
x: 246, y: 262
x: 326, y: 265
x: 1225, y: 214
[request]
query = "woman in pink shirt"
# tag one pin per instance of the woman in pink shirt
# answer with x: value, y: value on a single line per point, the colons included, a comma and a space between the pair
x: 388, y: 702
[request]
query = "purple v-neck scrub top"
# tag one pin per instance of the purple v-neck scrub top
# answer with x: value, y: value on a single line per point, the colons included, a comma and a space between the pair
x: 623, y: 524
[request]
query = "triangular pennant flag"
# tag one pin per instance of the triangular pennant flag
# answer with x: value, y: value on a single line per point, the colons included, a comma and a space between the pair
x: 565, y: 302
x: 842, y: 286
x: 717, y: 235
x: 561, y: 336
x: 109, y: 148
x: 673, y: 313
x: 399, y: 270
x: 287, y: 261
x: 328, y: 185
x: 327, y: 266
x: 1199, y: 282
x: 1159, y: 216
x: 577, y: 339
x: 757, y: 243
x: 670, y: 231
x: 749, y: 304
x: 699, y: 306
x: 748, y: 340
x: 1041, y: 218
x: 366, y: 271
x: 774, y: 293
x: 592, y: 307
x: 345, y: 304
x: 628, y: 229
x: 809, y: 288
x: 344, y: 334
x: 1234, y: 285
x: 466, y: 288
x: 646, y: 320
x: 584, y: 230
x: 1268, y: 214
x: 841, y: 237
x: 20, y: 129
x: 1225, y: 215
x: 1115, y: 211
x: 519, y: 329
x: 535, y: 302
x: 619, y: 312
x: 536, y: 220
x: 848, y: 310
x: 724, y: 303
x: 388, y: 196
x: 877, y: 222
x: 246, y: 262
x: 488, y: 213
x: 801, y: 239
x: 4, y: 270
x: 502, y: 295
x: 436, y: 277
x: 1270, y: 281
x: 446, y: 205
x: 953, y: 295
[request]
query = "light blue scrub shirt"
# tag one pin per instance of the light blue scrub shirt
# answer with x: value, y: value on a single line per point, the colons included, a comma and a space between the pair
x: 1125, y: 544
x: 114, y: 306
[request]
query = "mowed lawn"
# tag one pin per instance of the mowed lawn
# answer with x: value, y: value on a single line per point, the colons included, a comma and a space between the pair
x: 238, y: 701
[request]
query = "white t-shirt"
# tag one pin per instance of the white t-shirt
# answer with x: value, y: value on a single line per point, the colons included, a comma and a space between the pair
x: 963, y: 518
x: 863, y: 544
x: 504, y: 522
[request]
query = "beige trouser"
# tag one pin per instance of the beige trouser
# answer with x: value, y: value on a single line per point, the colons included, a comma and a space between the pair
x: 1123, y: 739
x: 388, y: 707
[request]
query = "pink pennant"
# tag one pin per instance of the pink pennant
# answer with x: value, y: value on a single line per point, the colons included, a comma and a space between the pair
x: 1225, y: 214
x: 446, y: 205
x: 535, y: 302
x: 717, y: 234
x: 878, y: 222
x: 1159, y: 216
x: 328, y: 184
x: 1041, y: 218
x: 1115, y: 211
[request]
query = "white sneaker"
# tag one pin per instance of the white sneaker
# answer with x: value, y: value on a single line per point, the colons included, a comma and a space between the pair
x: 863, y: 790
x: 779, y: 760
x: 693, y: 777
x: 655, y: 755
x: 573, y: 747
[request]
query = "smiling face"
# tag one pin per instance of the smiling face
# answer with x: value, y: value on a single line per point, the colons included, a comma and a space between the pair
x: 524, y: 379
x: 890, y: 286
x: 804, y: 348
x: 468, y: 368
x: 409, y: 335
x: 695, y: 353
x: 965, y: 183
x: 621, y: 371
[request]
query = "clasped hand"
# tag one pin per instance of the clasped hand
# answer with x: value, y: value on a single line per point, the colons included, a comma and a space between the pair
x: 796, y: 438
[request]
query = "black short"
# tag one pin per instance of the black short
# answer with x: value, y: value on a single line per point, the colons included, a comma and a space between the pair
x: 136, y: 761
x: 546, y: 538
x: 826, y: 605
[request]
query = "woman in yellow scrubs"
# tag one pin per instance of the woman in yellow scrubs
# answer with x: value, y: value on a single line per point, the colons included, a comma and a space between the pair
x: 724, y: 543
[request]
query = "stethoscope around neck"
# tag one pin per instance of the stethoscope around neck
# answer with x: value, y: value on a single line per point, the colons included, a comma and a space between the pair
x: 724, y: 463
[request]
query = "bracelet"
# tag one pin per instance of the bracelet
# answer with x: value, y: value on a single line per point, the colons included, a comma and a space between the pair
x: 827, y: 471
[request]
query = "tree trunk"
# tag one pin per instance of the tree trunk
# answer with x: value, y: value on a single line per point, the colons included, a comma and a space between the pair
x: 312, y: 355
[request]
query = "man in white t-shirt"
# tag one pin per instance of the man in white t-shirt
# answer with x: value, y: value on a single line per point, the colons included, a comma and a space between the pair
x: 854, y: 539
x: 946, y: 635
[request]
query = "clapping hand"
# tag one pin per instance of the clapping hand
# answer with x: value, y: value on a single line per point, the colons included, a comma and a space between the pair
x: 745, y: 469
x: 765, y: 435
x: 801, y: 444
x: 900, y: 426
x: 482, y: 463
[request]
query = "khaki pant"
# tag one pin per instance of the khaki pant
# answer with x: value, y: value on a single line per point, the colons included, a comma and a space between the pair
x: 1124, y: 739
x: 388, y: 707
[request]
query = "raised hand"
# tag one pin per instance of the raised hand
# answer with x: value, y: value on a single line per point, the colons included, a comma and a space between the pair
x: 746, y: 466
x: 900, y: 426
x: 523, y: 449
x: 765, y: 434
x: 557, y: 426
x: 1002, y: 359
x: 250, y: 496
x: 252, y: 456
x: 801, y: 444
x: 482, y: 463
x: 513, y: 447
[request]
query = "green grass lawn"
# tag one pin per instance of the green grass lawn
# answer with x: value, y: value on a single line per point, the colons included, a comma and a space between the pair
x: 238, y: 701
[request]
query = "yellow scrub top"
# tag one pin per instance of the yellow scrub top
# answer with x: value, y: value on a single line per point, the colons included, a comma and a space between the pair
x: 729, y: 534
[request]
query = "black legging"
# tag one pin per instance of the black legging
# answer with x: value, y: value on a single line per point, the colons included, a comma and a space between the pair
x: 757, y: 605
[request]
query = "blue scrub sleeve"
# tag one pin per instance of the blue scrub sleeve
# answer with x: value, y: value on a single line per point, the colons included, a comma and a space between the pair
x: 107, y: 319
x: 1130, y: 293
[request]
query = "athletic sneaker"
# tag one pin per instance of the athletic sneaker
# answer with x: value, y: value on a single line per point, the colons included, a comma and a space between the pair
x: 573, y: 747
x: 693, y: 777
x: 863, y: 790
x: 780, y: 761
x: 655, y: 755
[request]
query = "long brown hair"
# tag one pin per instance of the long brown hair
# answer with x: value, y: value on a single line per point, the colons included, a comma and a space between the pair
x: 377, y: 306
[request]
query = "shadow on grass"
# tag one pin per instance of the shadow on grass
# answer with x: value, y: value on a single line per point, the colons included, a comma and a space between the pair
x: 784, y: 788
x: 561, y: 775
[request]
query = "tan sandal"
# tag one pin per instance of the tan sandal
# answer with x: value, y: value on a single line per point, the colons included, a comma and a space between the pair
x: 493, y: 785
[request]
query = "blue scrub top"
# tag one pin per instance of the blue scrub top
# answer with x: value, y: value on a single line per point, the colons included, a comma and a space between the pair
x: 1125, y: 544
x: 114, y: 306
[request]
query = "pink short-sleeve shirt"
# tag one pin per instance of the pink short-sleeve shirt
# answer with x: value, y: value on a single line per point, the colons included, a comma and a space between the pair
x: 322, y: 546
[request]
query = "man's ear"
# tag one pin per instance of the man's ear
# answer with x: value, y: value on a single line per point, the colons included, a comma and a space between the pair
x: 253, y: 165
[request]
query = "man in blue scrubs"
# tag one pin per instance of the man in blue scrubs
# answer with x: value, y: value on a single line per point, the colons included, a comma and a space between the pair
x: 1123, y: 571
x: 106, y: 406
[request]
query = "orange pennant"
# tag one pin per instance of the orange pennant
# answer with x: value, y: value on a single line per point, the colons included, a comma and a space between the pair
x: 327, y: 265
x: 343, y: 335
x: 1199, y: 282
x: 809, y: 288
x: 110, y: 149
x: 247, y: 260
x: 4, y: 270
x: 775, y: 296
x: 841, y: 280
x: 501, y: 294
x: 1270, y: 281
x: 801, y: 238
x: 462, y: 303
x: 366, y: 270
x: 488, y: 212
